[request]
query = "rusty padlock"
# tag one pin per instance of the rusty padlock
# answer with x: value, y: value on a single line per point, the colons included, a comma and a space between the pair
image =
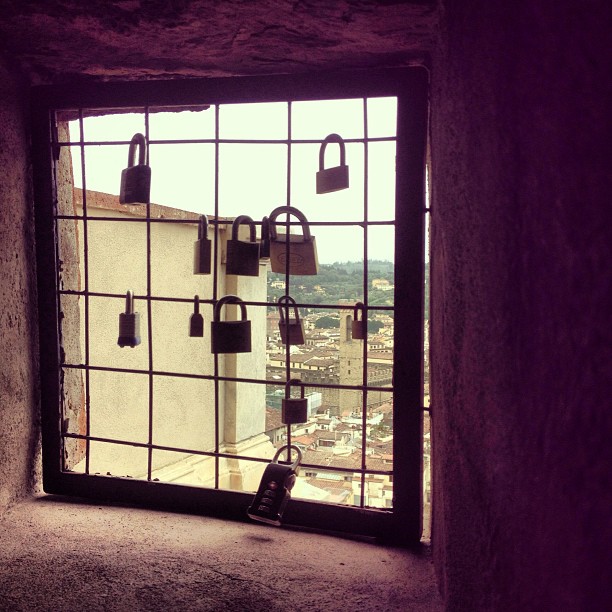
x: 299, y: 250
x: 291, y: 329
x: 337, y: 177
x: 243, y: 257
x: 294, y: 410
x: 359, y: 327
x: 230, y: 336
x: 202, y: 248
x: 136, y: 178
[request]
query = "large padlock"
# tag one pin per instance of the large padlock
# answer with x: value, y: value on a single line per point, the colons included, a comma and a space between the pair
x: 359, y: 327
x: 274, y: 490
x: 294, y: 409
x: 243, y: 257
x: 300, y: 250
x: 136, y: 178
x: 202, y: 248
x: 129, y: 324
x: 230, y: 336
x: 264, y: 242
x: 196, y: 320
x: 291, y: 329
x: 337, y: 177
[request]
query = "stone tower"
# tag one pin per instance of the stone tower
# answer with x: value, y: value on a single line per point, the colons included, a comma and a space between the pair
x: 351, y: 366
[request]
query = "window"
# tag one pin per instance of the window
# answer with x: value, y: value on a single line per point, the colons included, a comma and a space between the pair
x: 170, y: 424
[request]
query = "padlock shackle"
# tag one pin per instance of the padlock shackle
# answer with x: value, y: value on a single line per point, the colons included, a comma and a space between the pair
x: 129, y: 302
x: 282, y: 449
x: 196, y: 304
x: 203, y: 227
x: 286, y: 302
x: 138, y: 140
x: 229, y: 299
x: 289, y: 210
x: 289, y: 383
x: 359, y: 307
x: 238, y: 221
x: 332, y: 138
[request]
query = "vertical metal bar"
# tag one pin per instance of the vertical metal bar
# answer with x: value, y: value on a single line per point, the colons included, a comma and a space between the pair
x: 216, y: 257
x: 86, y: 290
x: 288, y: 259
x: 149, y: 312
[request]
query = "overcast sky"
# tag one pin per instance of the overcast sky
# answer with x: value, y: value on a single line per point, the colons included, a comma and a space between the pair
x: 253, y: 177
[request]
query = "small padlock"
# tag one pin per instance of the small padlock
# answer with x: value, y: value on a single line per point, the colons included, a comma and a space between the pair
x: 243, y: 257
x: 275, y: 487
x: 264, y: 241
x: 196, y: 320
x: 299, y: 250
x: 336, y: 178
x: 136, y: 178
x: 230, y: 336
x: 202, y: 248
x: 294, y: 410
x: 359, y: 327
x: 291, y: 329
x: 129, y: 324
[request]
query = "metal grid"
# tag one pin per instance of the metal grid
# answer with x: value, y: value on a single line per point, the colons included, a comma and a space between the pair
x: 405, y: 227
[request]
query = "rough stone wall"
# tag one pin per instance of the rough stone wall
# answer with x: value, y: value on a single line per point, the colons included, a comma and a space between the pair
x: 18, y: 356
x: 521, y: 305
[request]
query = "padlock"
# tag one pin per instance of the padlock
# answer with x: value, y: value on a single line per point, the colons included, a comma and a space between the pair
x: 336, y: 178
x: 230, y: 336
x: 202, y: 248
x: 291, y: 329
x: 129, y: 324
x: 299, y: 250
x: 196, y: 320
x: 264, y: 242
x: 136, y: 178
x: 359, y: 327
x: 275, y: 487
x: 294, y: 410
x: 243, y: 257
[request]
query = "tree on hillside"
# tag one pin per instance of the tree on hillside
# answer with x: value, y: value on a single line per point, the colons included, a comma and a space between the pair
x: 327, y: 322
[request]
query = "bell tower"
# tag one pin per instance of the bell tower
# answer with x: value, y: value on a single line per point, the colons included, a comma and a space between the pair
x: 351, y: 366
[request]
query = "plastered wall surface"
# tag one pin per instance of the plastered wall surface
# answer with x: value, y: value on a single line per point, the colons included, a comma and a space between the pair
x: 18, y: 361
x: 521, y: 290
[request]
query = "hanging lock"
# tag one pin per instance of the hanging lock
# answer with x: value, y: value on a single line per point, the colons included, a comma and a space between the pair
x: 230, y: 336
x: 136, y: 178
x: 202, y: 248
x: 129, y: 324
x: 196, y: 320
x: 294, y: 409
x: 291, y: 329
x: 243, y: 257
x: 264, y: 242
x: 359, y: 327
x: 299, y: 250
x: 336, y: 178
x: 275, y: 487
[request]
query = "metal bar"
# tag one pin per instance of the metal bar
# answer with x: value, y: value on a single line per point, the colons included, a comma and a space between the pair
x: 98, y: 143
x: 149, y: 313
x: 216, y: 261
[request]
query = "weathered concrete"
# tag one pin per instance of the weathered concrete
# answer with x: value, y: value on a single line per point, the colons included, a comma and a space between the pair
x: 521, y: 305
x: 109, y: 558
x: 131, y: 40
x: 18, y: 357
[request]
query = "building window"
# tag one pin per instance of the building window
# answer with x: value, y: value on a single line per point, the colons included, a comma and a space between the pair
x: 169, y: 412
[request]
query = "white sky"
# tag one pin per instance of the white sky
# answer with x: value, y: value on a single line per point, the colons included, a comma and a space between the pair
x: 253, y: 177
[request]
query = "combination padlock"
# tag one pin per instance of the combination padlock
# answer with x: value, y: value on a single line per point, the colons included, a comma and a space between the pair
x: 202, y: 248
x: 230, y: 336
x: 243, y: 257
x: 136, y: 178
x: 359, y: 327
x: 294, y: 409
x: 196, y: 320
x: 129, y: 324
x: 291, y: 329
x: 275, y: 487
x: 336, y: 178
